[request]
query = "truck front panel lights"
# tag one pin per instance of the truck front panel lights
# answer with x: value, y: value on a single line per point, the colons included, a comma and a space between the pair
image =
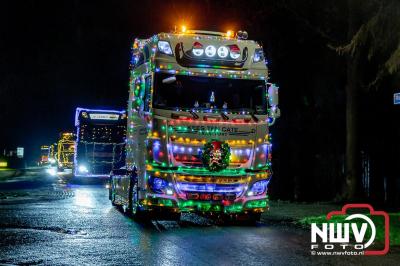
x: 234, y: 51
x: 223, y: 51
x: 197, y: 49
x: 210, y: 51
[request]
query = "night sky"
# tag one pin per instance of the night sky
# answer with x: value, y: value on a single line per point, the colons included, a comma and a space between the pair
x: 57, y: 55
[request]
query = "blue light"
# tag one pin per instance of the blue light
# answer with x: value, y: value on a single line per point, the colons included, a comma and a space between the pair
x: 208, y: 187
x: 157, y: 184
x: 156, y: 145
x: 258, y: 188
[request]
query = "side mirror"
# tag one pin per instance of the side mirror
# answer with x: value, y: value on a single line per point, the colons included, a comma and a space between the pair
x: 169, y: 80
x: 273, y: 95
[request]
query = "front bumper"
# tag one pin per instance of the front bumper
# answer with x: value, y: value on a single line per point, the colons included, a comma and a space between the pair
x: 158, y: 202
x: 220, y: 194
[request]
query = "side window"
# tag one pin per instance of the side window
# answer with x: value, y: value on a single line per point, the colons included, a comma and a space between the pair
x: 147, y: 96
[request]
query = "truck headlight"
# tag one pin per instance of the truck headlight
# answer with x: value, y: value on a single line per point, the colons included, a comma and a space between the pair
x: 83, y: 169
x: 258, y: 55
x: 258, y: 188
x: 160, y: 185
x: 164, y: 47
x: 51, y: 171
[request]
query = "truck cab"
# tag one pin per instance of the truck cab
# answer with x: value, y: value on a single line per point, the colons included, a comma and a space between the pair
x: 199, y: 111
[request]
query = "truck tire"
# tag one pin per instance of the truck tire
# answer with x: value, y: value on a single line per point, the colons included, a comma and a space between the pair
x: 252, y: 218
x: 132, y: 195
x: 111, y: 193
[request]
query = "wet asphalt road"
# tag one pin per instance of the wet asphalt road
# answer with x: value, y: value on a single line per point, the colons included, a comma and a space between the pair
x: 64, y: 221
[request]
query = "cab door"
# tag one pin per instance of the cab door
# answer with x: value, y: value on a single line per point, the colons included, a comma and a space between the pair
x: 143, y: 130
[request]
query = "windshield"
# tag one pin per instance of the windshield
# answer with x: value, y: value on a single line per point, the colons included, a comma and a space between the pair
x: 180, y: 91
x: 102, y: 133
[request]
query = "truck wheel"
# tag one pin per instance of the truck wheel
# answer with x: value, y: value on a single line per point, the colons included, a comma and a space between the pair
x: 111, y: 193
x: 174, y: 216
x: 252, y: 218
x: 140, y: 216
x: 132, y: 209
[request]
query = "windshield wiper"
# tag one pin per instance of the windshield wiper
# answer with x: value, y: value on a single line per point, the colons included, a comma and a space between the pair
x: 224, y: 116
x: 195, y: 116
x: 254, y: 117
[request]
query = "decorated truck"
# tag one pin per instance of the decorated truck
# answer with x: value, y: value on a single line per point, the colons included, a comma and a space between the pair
x: 100, y: 141
x: 65, y: 151
x: 44, y: 155
x: 199, y: 111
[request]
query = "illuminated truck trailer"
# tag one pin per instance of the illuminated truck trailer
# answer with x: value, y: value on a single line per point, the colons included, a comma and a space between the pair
x: 100, y: 144
x: 198, y: 136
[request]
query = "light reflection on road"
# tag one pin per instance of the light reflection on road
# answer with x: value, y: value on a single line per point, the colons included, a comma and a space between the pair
x: 84, y: 198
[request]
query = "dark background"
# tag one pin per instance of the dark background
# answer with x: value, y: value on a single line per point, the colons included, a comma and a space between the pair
x: 58, y: 55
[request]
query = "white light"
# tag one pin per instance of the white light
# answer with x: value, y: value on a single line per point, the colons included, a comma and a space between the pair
x: 104, y: 116
x: 84, y: 198
x: 83, y: 169
x: 234, y: 55
x: 210, y: 51
x: 52, y: 160
x: 198, y: 51
x: 51, y: 171
x: 164, y: 47
x: 223, y: 51
x: 169, y: 191
x: 250, y: 193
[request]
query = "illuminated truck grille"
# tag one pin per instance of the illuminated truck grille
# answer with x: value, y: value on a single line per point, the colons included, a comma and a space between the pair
x: 191, y: 156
